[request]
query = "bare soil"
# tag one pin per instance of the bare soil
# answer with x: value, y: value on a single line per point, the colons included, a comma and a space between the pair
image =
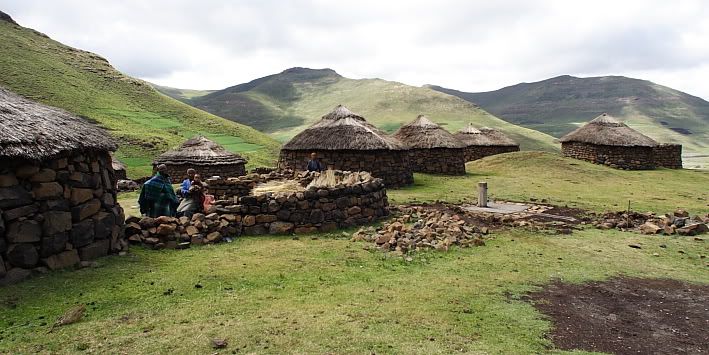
x: 628, y: 316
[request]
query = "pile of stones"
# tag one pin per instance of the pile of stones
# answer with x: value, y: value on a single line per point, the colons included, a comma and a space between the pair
x: 421, y: 228
x: 179, y: 233
x: 677, y: 223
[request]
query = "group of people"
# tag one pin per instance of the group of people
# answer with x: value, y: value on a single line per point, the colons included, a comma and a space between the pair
x: 158, y: 197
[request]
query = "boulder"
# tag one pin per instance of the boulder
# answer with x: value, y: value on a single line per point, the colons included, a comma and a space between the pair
x: 316, y: 216
x: 165, y: 220
x: 14, y: 276
x: 280, y: 227
x: 95, y: 250
x: 26, y: 171
x: 62, y: 260
x: 53, y: 244
x: 56, y: 222
x: 681, y: 213
x: 258, y: 229
x: 649, y: 228
x: 103, y: 224
x: 14, y: 196
x: 693, y: 229
x: 23, y: 211
x: 44, y: 175
x: 23, y: 255
x: 249, y: 220
x: 266, y: 218
x: 82, y: 233
x: 214, y: 237
x: 191, y: 230
x: 48, y: 191
x: 27, y: 231
x: 166, y: 229
x: 83, y: 211
x: 79, y: 195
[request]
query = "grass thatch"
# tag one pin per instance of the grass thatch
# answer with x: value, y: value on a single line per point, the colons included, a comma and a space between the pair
x: 342, y: 129
x: 485, y: 136
x: 30, y: 130
x: 199, y: 151
x: 422, y: 133
x: 607, y: 130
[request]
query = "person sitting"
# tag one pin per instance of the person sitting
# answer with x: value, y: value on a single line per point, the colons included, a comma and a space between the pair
x: 314, y: 163
x: 157, y: 197
x: 193, y: 200
x: 185, y: 187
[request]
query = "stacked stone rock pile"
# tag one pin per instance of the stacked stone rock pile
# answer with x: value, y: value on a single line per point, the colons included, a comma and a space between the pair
x: 172, y: 233
x: 679, y: 222
x: 423, y: 229
x: 127, y: 185
x: 226, y: 188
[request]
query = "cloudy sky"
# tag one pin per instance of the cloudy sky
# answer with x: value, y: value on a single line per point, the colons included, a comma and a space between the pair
x: 467, y: 45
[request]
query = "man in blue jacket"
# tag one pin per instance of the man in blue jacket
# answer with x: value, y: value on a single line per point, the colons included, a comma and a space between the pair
x: 185, y: 187
x: 314, y: 163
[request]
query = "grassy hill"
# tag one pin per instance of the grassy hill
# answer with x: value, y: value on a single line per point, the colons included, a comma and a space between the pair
x: 284, y: 104
x: 559, y: 105
x: 145, y: 122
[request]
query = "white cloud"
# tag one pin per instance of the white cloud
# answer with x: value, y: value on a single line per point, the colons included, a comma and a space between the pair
x: 467, y: 45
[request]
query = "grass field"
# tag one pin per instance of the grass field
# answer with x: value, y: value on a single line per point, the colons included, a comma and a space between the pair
x: 145, y: 122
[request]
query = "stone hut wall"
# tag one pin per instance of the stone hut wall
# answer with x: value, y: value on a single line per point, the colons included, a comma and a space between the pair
x: 228, y: 188
x: 178, y: 172
x: 476, y: 152
x: 393, y: 166
x: 121, y: 175
x: 56, y: 213
x: 449, y: 161
x: 668, y: 156
x: 630, y: 158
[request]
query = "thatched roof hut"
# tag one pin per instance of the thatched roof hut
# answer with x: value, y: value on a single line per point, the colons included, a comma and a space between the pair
x: 432, y: 149
x: 606, y: 140
x: 345, y: 140
x: 33, y: 131
x: 205, y: 156
x: 56, y: 187
x: 484, y: 141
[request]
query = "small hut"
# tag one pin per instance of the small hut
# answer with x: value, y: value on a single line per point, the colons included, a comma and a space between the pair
x: 205, y: 156
x: 346, y: 141
x: 483, y: 142
x: 606, y: 140
x: 119, y: 168
x: 57, y: 189
x: 432, y: 149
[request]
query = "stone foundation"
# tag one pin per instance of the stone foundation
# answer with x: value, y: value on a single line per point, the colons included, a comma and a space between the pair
x: 57, y: 213
x: 178, y: 172
x: 393, y: 166
x: 668, y: 156
x: 472, y: 153
x: 228, y: 188
x: 448, y: 161
x: 630, y: 158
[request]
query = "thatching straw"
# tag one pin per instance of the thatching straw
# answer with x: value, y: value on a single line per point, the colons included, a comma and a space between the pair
x: 332, y: 178
x: 607, y: 130
x: 343, y: 129
x: 277, y: 186
x: 485, y: 136
x: 31, y: 130
x: 422, y: 133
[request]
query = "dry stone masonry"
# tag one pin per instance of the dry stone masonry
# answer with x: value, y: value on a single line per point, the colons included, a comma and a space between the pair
x: 449, y: 161
x: 472, y: 153
x: 57, y: 213
x: 178, y: 172
x: 619, y: 157
x: 668, y: 155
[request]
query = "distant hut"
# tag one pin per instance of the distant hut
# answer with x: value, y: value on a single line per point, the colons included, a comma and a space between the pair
x: 483, y: 142
x: 205, y: 156
x: 57, y: 189
x: 346, y: 141
x: 432, y: 149
x: 606, y: 140
x: 119, y: 168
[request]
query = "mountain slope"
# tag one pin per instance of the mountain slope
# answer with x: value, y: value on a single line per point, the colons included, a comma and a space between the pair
x: 145, y: 122
x: 558, y: 105
x: 284, y: 104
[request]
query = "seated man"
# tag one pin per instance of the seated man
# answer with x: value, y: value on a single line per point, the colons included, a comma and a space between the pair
x: 314, y: 163
x: 157, y: 197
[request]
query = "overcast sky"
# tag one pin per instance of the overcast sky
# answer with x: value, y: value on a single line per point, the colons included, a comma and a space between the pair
x: 466, y: 45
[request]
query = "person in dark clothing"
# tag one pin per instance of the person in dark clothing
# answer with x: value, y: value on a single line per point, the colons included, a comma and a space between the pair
x: 193, y: 200
x: 157, y: 197
x: 314, y: 163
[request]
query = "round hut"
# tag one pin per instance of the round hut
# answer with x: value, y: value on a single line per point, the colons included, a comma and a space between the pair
x: 344, y: 140
x: 119, y: 168
x: 205, y: 156
x: 483, y: 142
x: 57, y: 189
x: 432, y: 149
x: 606, y: 140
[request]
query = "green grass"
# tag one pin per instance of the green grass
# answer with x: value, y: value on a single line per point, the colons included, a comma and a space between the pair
x: 145, y: 122
x: 564, y: 181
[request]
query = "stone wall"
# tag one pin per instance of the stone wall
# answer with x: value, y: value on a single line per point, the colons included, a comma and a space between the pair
x: 478, y: 152
x: 228, y: 188
x: 447, y: 161
x: 57, y: 213
x: 178, y: 172
x: 668, y: 156
x: 392, y: 166
x: 631, y: 158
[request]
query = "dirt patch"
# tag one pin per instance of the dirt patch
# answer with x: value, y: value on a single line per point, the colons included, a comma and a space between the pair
x: 628, y: 316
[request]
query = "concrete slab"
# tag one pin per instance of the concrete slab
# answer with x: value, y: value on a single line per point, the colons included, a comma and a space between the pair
x: 494, y: 207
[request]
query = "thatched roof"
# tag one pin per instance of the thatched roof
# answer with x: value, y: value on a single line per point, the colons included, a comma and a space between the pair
x: 117, y: 164
x: 30, y: 130
x: 485, y: 136
x: 607, y: 130
x: 199, y: 151
x: 422, y: 133
x: 342, y: 129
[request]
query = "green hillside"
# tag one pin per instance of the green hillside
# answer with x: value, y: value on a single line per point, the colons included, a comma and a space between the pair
x: 284, y: 104
x: 559, y: 105
x: 145, y: 122
x: 180, y: 94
